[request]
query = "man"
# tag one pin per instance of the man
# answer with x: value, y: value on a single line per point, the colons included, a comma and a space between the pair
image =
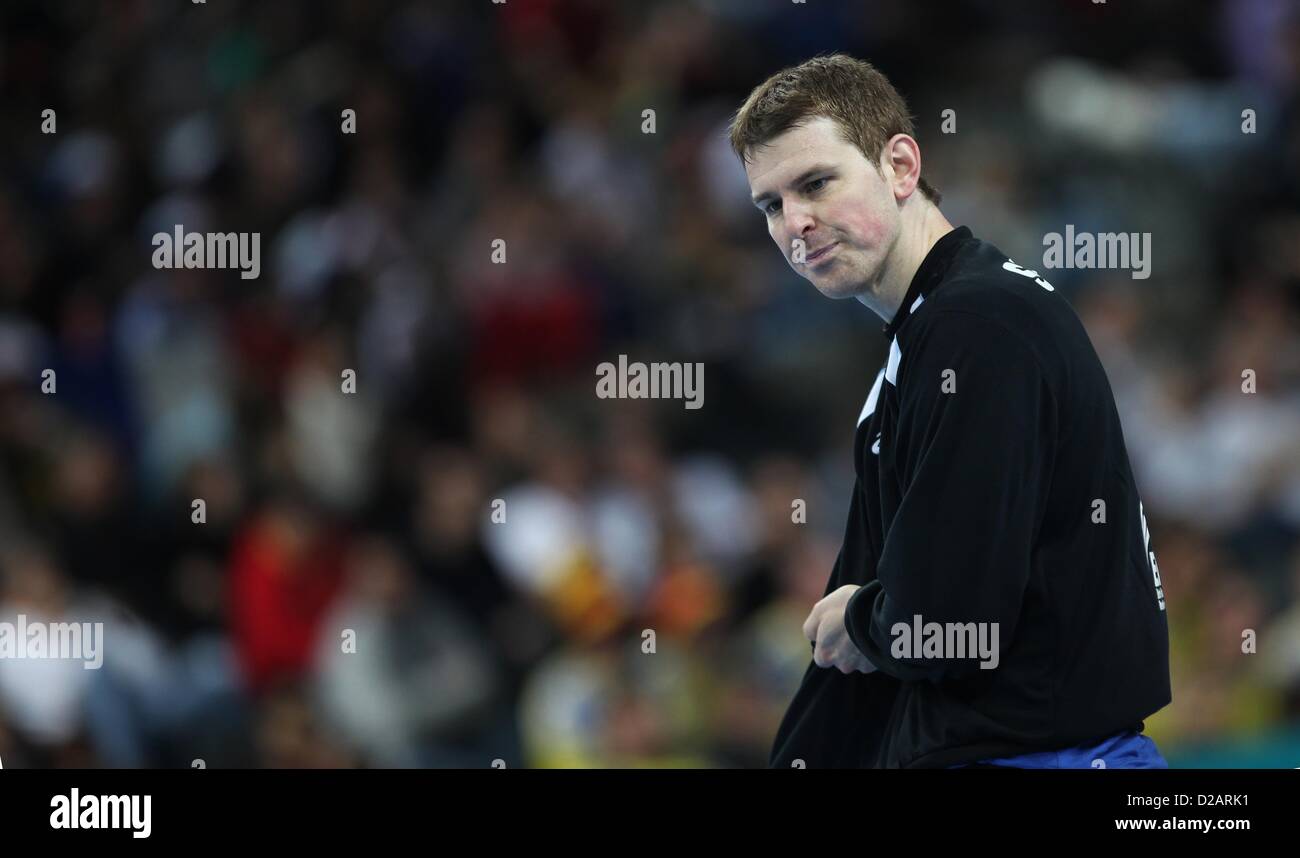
x: 995, y: 601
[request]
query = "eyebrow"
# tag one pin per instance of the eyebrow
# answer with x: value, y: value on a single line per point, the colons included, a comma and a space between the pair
x: 798, y: 180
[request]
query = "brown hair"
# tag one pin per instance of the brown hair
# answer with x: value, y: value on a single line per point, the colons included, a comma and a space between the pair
x: 852, y: 92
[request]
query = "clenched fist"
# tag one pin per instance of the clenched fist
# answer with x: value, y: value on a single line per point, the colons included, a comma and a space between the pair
x: 832, y: 645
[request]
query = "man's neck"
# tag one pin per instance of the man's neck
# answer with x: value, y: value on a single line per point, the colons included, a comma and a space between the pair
x: 916, y: 237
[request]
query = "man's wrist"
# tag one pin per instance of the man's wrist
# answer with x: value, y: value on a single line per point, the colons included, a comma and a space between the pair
x: 854, y: 610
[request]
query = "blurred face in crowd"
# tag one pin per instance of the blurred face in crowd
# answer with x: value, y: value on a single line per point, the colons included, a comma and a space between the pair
x: 813, y: 185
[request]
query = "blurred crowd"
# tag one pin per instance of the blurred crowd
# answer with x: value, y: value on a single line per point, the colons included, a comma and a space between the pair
x: 470, y: 559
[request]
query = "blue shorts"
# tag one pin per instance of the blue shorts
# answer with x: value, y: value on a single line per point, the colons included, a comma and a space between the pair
x: 1129, y: 750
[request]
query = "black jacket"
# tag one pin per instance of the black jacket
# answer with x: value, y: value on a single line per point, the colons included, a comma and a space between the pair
x: 993, y: 486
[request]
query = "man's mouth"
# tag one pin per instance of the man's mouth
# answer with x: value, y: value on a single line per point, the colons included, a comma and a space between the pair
x: 812, y: 257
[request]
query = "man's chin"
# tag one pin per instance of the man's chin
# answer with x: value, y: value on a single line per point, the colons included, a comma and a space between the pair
x: 836, y: 289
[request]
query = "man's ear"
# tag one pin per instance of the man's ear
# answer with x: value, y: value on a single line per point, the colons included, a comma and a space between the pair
x: 902, y: 160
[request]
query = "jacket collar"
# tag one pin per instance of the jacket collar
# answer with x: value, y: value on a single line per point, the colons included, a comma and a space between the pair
x: 928, y: 275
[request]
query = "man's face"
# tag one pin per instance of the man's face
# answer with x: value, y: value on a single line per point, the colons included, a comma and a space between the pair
x: 813, y: 185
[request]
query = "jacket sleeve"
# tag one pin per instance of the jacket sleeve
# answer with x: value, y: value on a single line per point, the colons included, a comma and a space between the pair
x: 973, y: 452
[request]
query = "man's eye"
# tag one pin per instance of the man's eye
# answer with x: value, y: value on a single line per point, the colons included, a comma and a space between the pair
x: 812, y: 187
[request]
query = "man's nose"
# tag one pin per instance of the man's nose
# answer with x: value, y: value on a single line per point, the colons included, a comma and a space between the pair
x: 799, y: 222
